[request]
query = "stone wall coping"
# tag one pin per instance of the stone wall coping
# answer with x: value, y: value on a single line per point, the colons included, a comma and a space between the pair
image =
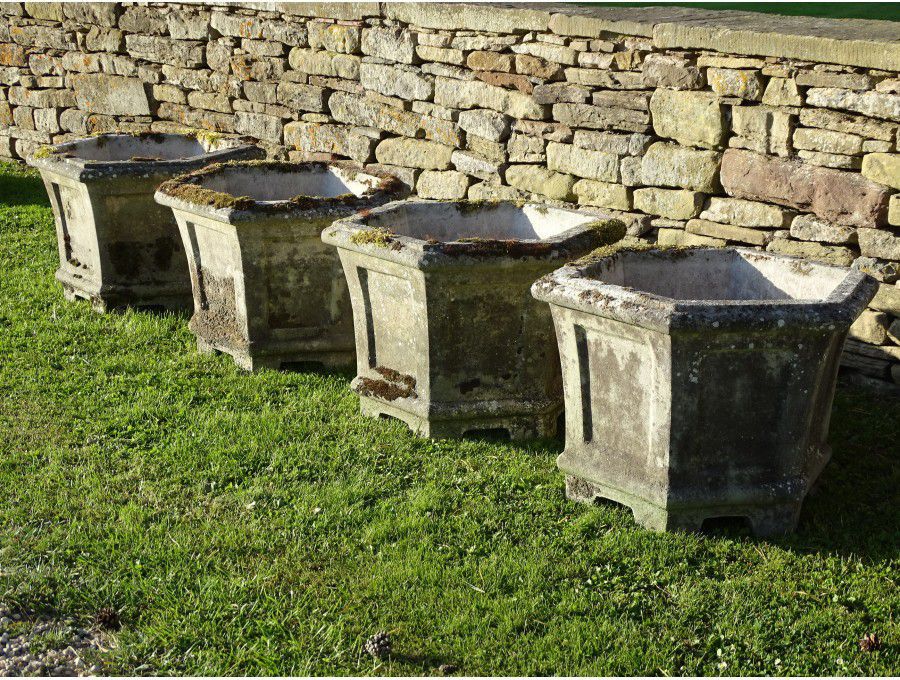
x: 848, y: 42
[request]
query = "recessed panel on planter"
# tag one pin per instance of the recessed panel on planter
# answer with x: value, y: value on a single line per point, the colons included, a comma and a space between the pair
x: 117, y: 247
x: 698, y: 382
x: 447, y: 337
x: 266, y: 289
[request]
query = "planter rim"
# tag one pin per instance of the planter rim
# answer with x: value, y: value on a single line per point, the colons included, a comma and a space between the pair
x: 352, y: 233
x: 59, y: 160
x: 572, y: 287
x: 185, y: 192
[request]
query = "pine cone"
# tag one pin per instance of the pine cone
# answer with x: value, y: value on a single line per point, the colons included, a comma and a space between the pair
x: 379, y: 645
x: 107, y: 618
x: 869, y: 642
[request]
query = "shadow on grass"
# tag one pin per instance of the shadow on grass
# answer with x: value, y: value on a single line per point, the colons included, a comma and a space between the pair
x: 855, y: 507
x: 19, y: 186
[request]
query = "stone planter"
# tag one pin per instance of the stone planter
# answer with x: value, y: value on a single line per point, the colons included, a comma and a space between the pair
x: 447, y: 337
x: 699, y: 382
x: 266, y: 289
x: 117, y: 247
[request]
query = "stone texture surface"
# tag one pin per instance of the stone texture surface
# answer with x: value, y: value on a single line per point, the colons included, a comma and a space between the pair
x: 677, y: 166
x: 690, y: 118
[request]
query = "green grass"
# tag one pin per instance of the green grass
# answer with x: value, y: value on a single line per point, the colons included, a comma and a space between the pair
x: 248, y: 524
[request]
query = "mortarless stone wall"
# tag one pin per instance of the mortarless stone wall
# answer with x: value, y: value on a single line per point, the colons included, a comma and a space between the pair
x: 695, y: 127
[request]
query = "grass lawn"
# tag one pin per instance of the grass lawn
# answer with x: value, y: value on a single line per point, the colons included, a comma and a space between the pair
x: 247, y: 524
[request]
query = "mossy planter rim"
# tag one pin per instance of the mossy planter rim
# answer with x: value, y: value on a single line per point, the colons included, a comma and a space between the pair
x: 185, y: 192
x: 352, y: 233
x: 577, y: 286
x: 63, y: 159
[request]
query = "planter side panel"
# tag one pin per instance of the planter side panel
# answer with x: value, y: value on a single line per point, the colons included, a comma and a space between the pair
x: 616, y: 379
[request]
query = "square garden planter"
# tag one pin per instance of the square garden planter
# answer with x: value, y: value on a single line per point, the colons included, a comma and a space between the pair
x: 447, y: 337
x: 699, y: 382
x: 266, y: 289
x: 117, y: 247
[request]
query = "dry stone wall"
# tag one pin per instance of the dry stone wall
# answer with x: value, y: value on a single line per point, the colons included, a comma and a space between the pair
x: 695, y: 127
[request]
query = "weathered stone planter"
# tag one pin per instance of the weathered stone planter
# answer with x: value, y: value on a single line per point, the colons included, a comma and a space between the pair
x: 447, y: 337
x: 117, y: 247
x: 266, y: 289
x: 699, y: 382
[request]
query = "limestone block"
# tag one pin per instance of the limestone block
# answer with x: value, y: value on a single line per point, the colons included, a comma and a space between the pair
x: 894, y: 335
x: 879, y: 243
x: 619, y: 143
x: 533, y: 66
x: 485, y: 18
x: 554, y: 93
x: 676, y: 237
x: 396, y: 81
x: 446, y: 55
x: 782, y: 92
x: 883, y: 168
x: 602, y: 194
x: 691, y: 118
x: 348, y: 108
x: 183, y: 26
x: 630, y: 171
x: 875, y: 104
x: 677, y: 166
x: 834, y: 195
x: 742, y: 83
x: 602, y: 118
x: 481, y: 60
x: 444, y: 185
x: 894, y: 210
x: 113, y: 95
x: 586, y: 163
x: 143, y: 20
x: 813, y: 251
x: 831, y: 160
x: 745, y: 213
x: 93, y: 13
x: 334, y: 37
x: 488, y: 191
x: 476, y: 94
x: 848, y: 81
x: 536, y: 179
x: 548, y: 52
x: 554, y: 132
x: 414, y: 153
x: 870, y: 327
x: 485, y: 123
x: 762, y: 129
x: 526, y: 149
x: 209, y: 101
x: 866, y: 128
x: 476, y: 166
x: 631, y: 100
x: 391, y: 44
x: 887, y: 299
x: 811, y: 228
x: 323, y: 63
x: 728, y: 232
x: 507, y: 80
x: 48, y: 11
x: 298, y: 96
x: 160, y: 50
x: 672, y: 71
x: 12, y: 55
x: 100, y: 39
x: 264, y: 127
x: 494, y: 151
x: 676, y: 204
x: 827, y: 141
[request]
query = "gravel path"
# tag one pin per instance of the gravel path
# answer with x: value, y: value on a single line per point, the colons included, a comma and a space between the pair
x: 34, y: 645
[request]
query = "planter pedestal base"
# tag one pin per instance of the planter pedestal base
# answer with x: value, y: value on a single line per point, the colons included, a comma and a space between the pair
x: 525, y: 426
x: 765, y: 520
x: 107, y: 299
x: 258, y: 361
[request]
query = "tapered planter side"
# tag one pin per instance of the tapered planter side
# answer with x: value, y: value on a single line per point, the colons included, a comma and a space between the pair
x: 266, y: 289
x: 117, y: 247
x: 698, y: 383
x: 448, y: 339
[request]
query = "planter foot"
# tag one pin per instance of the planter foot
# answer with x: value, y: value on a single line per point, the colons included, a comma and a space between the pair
x: 764, y: 521
x: 511, y: 427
